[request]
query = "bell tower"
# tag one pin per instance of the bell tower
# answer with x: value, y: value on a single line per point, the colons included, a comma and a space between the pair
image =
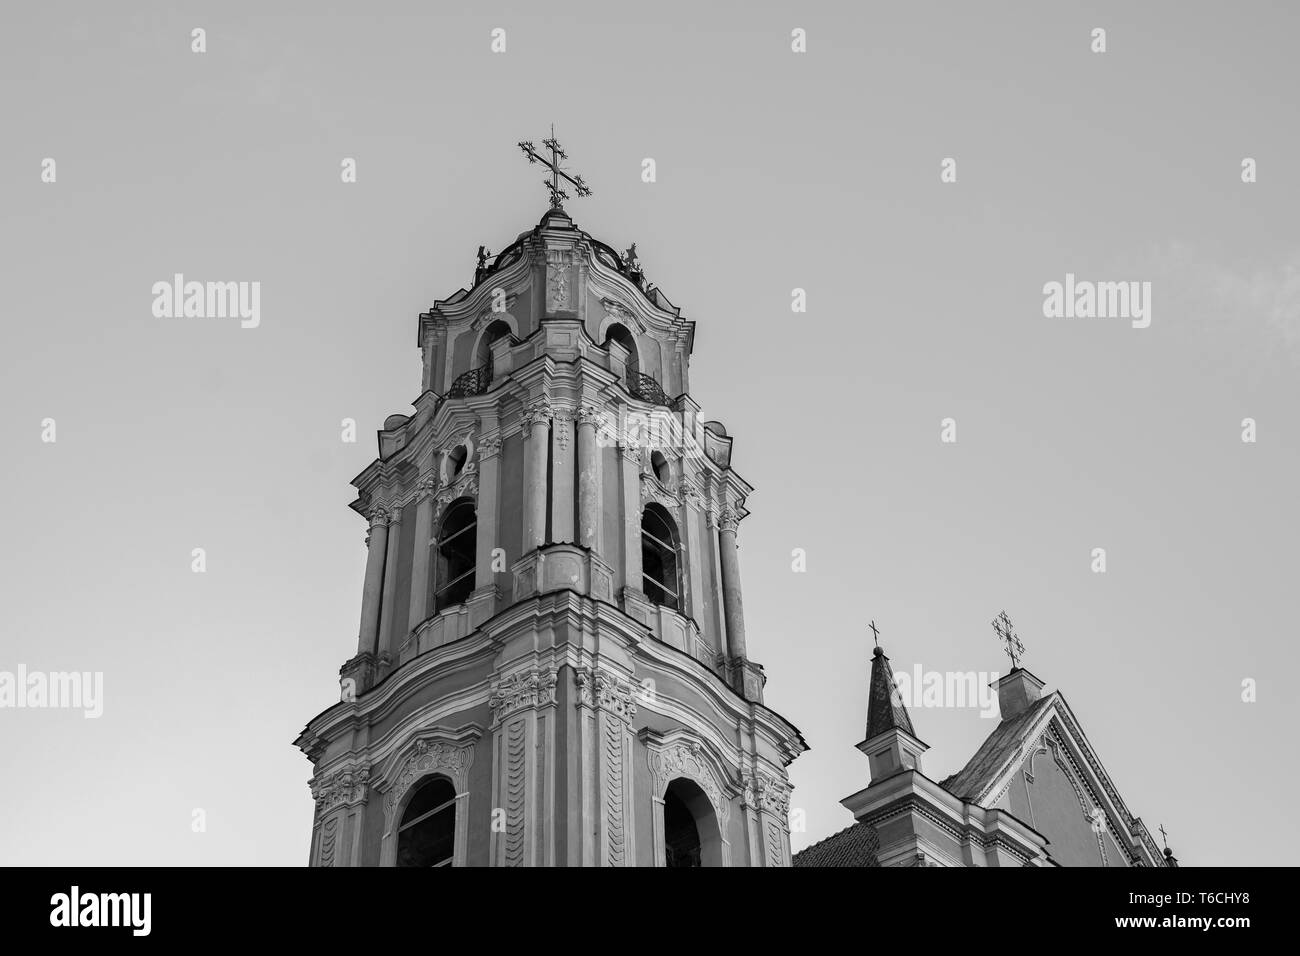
x: 551, y: 666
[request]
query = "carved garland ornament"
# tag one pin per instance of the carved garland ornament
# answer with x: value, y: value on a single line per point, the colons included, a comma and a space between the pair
x: 605, y: 691
x: 521, y: 690
x: 345, y: 786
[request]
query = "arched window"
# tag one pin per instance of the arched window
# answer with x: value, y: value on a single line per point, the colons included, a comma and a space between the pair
x: 659, y: 571
x: 497, y: 330
x: 681, y: 835
x: 660, y: 465
x: 692, y: 835
x: 457, y: 548
x: 618, y: 332
x: 427, y: 834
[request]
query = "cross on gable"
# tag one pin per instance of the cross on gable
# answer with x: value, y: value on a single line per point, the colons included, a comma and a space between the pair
x: 1006, y: 633
x: 557, y: 156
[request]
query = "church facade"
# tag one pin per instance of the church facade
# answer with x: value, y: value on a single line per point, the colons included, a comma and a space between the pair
x: 1034, y: 793
x: 551, y: 665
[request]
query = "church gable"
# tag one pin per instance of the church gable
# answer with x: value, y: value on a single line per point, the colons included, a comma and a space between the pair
x: 1040, y: 767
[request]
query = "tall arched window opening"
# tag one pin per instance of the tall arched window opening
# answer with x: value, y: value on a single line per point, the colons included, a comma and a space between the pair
x: 427, y: 833
x: 457, y: 551
x: 659, y: 566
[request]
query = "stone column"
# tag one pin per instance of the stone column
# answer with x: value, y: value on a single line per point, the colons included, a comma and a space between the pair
x: 732, y: 607
x: 377, y: 542
x: 420, y: 564
x: 629, y: 457
x: 591, y: 521
x: 693, y: 554
x: 489, y: 466
x: 537, y: 422
x: 562, y: 476
x: 384, y: 649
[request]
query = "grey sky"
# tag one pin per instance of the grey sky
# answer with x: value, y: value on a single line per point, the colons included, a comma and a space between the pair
x: 775, y: 171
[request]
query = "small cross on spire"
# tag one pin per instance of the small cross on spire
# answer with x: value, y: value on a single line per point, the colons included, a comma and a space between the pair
x: 875, y: 634
x: 1164, y: 837
x: 1014, y: 649
x: 558, y: 154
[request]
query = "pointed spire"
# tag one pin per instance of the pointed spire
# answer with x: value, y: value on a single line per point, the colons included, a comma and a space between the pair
x: 891, y: 744
x: 885, y: 710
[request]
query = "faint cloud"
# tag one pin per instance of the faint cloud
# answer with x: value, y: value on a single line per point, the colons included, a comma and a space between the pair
x: 1222, y: 297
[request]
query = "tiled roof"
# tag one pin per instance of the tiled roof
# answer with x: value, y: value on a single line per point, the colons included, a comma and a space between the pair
x: 854, y: 846
x: 979, y: 772
x: 885, y: 710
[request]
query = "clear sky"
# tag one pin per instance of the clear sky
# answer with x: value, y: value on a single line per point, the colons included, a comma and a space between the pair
x: 775, y: 170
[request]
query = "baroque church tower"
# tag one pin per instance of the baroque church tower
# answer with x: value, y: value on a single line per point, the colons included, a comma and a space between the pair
x: 551, y: 668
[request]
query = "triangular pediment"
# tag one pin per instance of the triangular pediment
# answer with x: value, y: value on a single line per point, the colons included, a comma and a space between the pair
x: 1040, y: 766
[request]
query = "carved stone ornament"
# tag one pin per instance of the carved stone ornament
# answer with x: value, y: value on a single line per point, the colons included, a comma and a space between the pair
x: 538, y: 413
x: 489, y: 446
x: 344, y: 787
x: 605, y: 691
x: 520, y: 691
x: 558, y: 288
x: 768, y: 793
x: 728, y: 521
x: 651, y: 490
x: 689, y: 494
x: 429, y: 756
x: 426, y: 486
x: 686, y: 759
x: 563, y: 426
x: 623, y: 315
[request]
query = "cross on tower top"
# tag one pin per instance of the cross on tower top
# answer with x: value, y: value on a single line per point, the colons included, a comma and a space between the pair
x: 1014, y: 649
x: 558, y: 154
x: 875, y: 633
x: 1164, y: 837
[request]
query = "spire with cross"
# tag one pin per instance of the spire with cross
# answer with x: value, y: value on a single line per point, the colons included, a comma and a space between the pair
x: 1013, y: 648
x: 558, y: 155
x: 875, y: 633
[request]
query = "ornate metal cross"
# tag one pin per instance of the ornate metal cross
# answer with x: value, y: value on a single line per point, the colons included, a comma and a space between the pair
x: 557, y: 156
x: 1164, y: 837
x: 1014, y: 649
x: 875, y: 633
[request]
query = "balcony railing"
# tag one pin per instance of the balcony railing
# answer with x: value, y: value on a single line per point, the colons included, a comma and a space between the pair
x: 474, y: 382
x: 647, y: 389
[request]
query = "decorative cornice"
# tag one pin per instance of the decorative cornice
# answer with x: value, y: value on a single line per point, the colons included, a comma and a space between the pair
x: 519, y: 691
